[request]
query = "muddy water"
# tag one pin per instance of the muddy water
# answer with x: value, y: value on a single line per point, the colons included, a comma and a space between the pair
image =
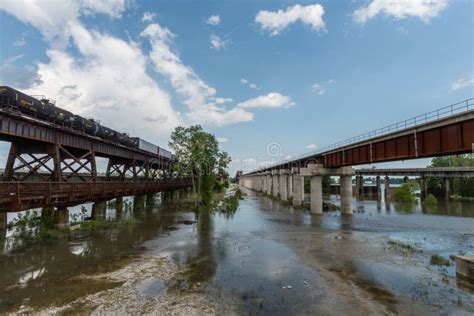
x: 267, y: 258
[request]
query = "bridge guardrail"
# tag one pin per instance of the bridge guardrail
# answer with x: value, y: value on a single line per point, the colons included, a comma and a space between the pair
x: 456, y: 108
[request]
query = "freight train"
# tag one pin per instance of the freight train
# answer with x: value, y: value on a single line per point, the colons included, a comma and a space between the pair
x: 46, y: 110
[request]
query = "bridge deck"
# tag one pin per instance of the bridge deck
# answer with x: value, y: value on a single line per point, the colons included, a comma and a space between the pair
x: 17, y: 196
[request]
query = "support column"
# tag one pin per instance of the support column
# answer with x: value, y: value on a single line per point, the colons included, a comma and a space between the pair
x: 61, y: 217
x: 98, y: 210
x: 298, y: 189
x: 387, y: 186
x: 290, y: 186
x: 316, y: 193
x: 283, y: 185
x: 359, y: 185
x: 405, y: 179
x: 447, y: 188
x: 139, y: 202
x: 275, y: 182
x: 424, y: 187
x: 269, y: 184
x: 377, y: 186
x: 118, y: 207
x: 346, y: 194
x: 150, y: 201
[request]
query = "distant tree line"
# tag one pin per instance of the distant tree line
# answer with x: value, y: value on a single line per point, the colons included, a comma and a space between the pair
x: 458, y: 186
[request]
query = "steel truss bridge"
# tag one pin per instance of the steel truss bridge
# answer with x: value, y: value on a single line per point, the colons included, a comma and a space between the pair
x: 52, y: 165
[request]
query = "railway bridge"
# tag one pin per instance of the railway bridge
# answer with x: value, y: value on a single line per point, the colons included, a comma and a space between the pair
x: 445, y: 131
x: 51, y: 165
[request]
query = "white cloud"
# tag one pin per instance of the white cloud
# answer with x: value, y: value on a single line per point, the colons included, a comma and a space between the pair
x: 462, y: 83
x: 276, y: 21
x: 401, y: 9
x: 222, y: 100
x: 271, y: 100
x: 53, y: 18
x: 245, y: 82
x: 214, y: 20
x: 216, y: 42
x: 148, y: 17
x: 198, y: 96
x: 317, y: 88
x: 311, y: 146
x: 331, y: 81
x: 222, y: 139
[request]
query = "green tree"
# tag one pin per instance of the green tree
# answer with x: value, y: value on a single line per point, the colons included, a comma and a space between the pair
x: 197, y: 154
x: 459, y: 186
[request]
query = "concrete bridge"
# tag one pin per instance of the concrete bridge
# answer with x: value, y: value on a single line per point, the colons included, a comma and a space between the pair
x: 446, y: 131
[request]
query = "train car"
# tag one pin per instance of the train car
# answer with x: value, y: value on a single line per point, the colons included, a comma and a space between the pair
x: 165, y: 153
x: 146, y: 146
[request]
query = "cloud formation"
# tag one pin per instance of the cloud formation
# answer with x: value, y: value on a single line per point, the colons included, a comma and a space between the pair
x: 462, y: 83
x: 214, y: 20
x: 425, y: 10
x: 271, y: 100
x: 217, y: 43
x: 276, y: 21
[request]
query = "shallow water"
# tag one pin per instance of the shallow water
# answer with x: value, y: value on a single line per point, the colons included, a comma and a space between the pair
x: 268, y: 258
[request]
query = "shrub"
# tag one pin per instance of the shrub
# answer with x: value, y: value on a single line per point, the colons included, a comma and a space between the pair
x: 430, y: 200
x: 406, y: 193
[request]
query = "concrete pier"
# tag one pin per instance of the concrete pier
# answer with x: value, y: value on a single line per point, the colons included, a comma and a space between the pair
x: 269, y: 183
x: 377, y: 185
x: 150, y: 201
x: 359, y: 185
x: 61, y: 217
x: 346, y: 194
x: 283, y: 185
x: 298, y: 189
x: 424, y: 187
x: 447, y: 188
x: 139, y: 202
x: 290, y: 185
x: 405, y: 179
x: 387, y: 186
x: 98, y: 210
x: 316, y: 192
x: 275, y: 183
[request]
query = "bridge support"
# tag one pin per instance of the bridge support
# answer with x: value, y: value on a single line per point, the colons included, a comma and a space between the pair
x: 269, y: 183
x: 424, y: 186
x: 275, y: 183
x: 316, y: 172
x: 290, y: 185
x: 98, y: 210
x: 150, y: 201
x: 377, y: 187
x: 283, y: 185
x: 316, y: 193
x: 346, y: 194
x: 387, y: 187
x: 139, y: 203
x: 298, y: 189
x: 447, y: 188
x: 359, y: 185
x: 61, y: 217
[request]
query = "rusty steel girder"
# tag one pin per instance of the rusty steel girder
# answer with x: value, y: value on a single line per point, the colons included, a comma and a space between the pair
x: 17, y: 196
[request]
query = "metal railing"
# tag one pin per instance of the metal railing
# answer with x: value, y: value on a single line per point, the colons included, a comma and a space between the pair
x: 456, y: 108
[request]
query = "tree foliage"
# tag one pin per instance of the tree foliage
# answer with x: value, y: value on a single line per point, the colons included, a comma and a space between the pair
x: 459, y: 186
x: 198, y: 154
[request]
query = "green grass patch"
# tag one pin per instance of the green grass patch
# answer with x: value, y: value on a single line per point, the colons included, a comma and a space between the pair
x: 439, y: 261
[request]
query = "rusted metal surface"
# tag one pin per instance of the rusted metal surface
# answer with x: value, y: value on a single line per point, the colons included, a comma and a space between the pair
x: 444, y: 172
x: 16, y: 127
x: 17, y: 196
x: 450, y: 135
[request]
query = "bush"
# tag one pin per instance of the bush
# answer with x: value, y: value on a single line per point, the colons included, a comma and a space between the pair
x: 430, y: 200
x: 439, y: 261
x: 406, y: 193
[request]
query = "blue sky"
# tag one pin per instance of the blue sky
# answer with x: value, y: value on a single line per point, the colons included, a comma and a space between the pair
x: 300, y: 74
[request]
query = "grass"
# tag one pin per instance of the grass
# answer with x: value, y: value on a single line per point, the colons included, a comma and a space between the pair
x: 439, y: 261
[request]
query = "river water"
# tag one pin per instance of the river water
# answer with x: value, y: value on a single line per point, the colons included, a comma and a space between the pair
x: 266, y: 258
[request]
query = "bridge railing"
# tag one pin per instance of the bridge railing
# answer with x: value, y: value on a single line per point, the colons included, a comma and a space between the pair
x: 456, y: 108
